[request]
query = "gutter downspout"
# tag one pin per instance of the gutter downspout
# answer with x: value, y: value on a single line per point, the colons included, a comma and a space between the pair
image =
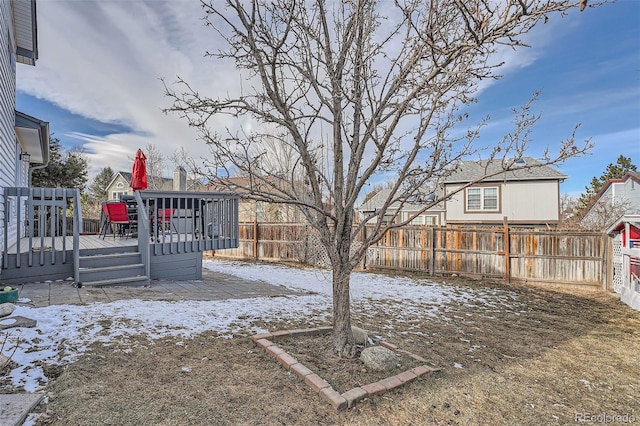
x: 45, y: 156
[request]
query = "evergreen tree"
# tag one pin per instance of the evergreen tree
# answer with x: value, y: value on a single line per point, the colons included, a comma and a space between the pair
x: 98, y: 186
x: 622, y: 166
x: 65, y: 169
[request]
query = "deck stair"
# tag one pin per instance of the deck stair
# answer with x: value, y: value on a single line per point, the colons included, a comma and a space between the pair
x: 123, y: 268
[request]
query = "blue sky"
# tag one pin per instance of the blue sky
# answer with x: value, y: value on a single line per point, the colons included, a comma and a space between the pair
x: 97, y: 81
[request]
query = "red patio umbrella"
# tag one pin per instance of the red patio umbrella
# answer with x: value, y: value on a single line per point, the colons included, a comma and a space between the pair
x: 139, y: 172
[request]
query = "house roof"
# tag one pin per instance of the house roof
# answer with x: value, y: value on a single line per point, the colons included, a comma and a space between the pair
x: 629, y: 175
x: 526, y: 169
x: 167, y: 183
x: 618, y: 225
x: 26, y: 31
x: 242, y: 185
x: 377, y: 201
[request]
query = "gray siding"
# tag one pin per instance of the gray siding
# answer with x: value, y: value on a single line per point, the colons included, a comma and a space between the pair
x: 618, y: 199
x: 7, y: 107
x: 119, y: 186
x: 181, y: 266
x: 629, y: 192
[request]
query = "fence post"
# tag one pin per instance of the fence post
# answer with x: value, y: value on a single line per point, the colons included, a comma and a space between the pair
x: 255, y: 239
x: 364, y: 238
x: 433, y: 251
x: 507, y: 272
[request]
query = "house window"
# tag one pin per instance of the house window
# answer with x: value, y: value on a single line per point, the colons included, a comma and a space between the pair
x: 482, y: 199
x: 120, y: 185
x: 423, y: 220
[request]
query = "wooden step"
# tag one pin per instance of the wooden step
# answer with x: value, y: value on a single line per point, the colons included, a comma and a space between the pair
x: 137, y: 281
x: 109, y: 272
x: 102, y: 260
x: 112, y: 269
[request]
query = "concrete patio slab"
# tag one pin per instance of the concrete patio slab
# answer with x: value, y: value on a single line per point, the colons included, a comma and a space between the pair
x: 14, y: 408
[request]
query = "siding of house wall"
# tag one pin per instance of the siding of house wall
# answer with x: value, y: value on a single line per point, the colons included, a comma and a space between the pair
x: 119, y: 186
x: 618, y: 193
x: 534, y: 202
x: 628, y: 191
x: 7, y: 108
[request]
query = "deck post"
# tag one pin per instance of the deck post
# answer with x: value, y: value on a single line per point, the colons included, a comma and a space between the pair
x: 143, y: 234
x: 77, y: 226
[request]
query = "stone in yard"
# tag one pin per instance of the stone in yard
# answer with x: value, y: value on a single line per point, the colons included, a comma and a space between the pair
x: 360, y: 336
x: 4, y: 360
x: 378, y: 358
x: 17, y: 321
x: 6, y: 309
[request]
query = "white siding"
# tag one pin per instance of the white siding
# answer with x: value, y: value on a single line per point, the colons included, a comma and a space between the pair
x: 618, y: 199
x: 628, y: 192
x: 531, y: 202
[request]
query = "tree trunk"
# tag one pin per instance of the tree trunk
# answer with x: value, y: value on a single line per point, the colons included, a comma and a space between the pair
x: 343, y: 342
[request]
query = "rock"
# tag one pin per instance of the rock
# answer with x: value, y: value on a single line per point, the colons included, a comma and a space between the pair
x: 6, y: 309
x: 361, y: 336
x: 17, y: 321
x: 379, y: 358
x: 4, y: 360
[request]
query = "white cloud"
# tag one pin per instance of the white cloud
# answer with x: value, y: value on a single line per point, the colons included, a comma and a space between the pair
x: 104, y: 60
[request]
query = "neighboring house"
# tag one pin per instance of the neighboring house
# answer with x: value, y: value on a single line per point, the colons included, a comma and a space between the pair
x: 616, y: 198
x: 626, y: 258
x: 528, y: 195
x: 434, y: 216
x: 119, y: 185
x: 250, y: 210
x: 24, y: 140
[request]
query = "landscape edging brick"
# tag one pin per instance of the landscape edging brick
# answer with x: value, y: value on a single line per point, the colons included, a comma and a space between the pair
x: 320, y: 386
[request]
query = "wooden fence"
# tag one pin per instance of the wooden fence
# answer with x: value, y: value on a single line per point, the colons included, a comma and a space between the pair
x: 553, y: 257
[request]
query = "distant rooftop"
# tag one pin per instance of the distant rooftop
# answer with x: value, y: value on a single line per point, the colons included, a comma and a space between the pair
x: 526, y: 169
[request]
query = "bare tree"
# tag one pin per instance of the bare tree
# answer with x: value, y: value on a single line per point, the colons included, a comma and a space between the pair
x: 155, y: 166
x: 603, y: 213
x: 182, y: 158
x: 568, y: 217
x: 359, y: 90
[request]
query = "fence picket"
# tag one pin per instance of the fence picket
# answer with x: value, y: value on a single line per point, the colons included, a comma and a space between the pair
x: 519, y: 255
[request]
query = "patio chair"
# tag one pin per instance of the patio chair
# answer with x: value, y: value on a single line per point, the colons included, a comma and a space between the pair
x: 164, y: 219
x: 115, y: 213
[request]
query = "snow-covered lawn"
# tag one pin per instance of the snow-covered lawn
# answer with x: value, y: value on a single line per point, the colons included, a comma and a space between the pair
x: 63, y: 332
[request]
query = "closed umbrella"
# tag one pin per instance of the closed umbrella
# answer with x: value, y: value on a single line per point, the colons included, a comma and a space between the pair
x: 139, y: 172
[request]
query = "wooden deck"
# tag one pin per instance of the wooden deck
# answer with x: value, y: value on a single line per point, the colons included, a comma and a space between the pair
x: 87, y: 242
x: 199, y: 222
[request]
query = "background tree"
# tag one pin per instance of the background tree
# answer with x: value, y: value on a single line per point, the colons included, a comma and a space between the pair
x: 617, y: 170
x: 65, y: 169
x: 155, y: 166
x: 98, y: 186
x: 360, y: 90
x: 92, y: 199
x: 603, y: 213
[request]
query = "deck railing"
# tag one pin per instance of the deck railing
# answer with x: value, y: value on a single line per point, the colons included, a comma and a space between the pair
x: 37, y: 233
x: 171, y: 222
x: 41, y: 215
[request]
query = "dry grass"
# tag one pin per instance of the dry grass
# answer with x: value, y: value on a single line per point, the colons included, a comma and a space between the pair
x: 552, y: 356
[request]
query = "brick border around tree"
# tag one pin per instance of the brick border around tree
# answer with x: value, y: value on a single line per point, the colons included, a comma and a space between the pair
x: 317, y: 384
